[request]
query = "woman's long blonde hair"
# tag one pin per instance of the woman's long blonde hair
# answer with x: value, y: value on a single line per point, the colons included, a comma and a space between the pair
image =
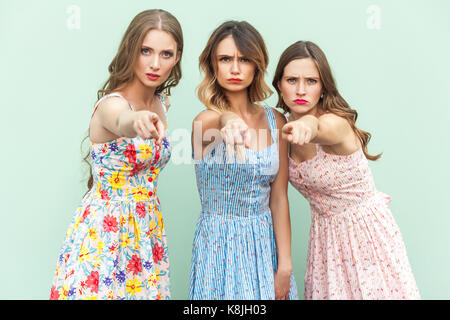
x: 121, y: 68
x: 331, y: 101
x: 252, y: 46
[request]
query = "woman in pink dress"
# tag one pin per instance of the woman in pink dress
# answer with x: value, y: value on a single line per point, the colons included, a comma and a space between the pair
x: 355, y: 247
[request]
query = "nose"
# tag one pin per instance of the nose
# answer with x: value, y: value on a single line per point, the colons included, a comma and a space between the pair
x: 235, y: 67
x: 155, y: 63
x: 300, y: 88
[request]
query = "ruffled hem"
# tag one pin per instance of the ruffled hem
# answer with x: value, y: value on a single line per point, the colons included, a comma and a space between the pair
x: 359, y: 255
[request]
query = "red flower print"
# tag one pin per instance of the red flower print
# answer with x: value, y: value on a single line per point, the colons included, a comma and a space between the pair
x: 136, y: 168
x: 86, y: 212
x: 130, y: 153
x: 92, y: 281
x: 104, y: 194
x: 157, y: 253
x: 113, y: 248
x: 134, y: 265
x: 54, y: 294
x: 140, y: 209
x: 110, y: 224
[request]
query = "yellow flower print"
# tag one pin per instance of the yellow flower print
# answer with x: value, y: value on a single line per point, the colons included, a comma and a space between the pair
x: 139, y: 194
x: 100, y: 246
x: 84, y: 254
x: 122, y: 221
x: 134, y: 286
x: 160, y: 222
x: 117, y: 180
x: 99, y: 189
x: 153, y: 279
x: 125, y: 240
x: 77, y: 224
x: 151, y: 228
x: 146, y: 151
x: 92, y: 232
x: 97, y: 262
x: 91, y: 298
x: 64, y: 292
x: 110, y: 295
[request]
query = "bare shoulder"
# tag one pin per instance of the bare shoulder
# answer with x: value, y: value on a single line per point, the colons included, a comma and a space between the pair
x: 112, y: 105
x: 279, y: 118
x: 207, y: 115
x: 334, y: 121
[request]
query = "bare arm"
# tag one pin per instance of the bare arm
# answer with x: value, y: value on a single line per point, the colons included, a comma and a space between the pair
x: 279, y: 206
x: 114, y: 115
x: 329, y: 129
x: 210, y: 128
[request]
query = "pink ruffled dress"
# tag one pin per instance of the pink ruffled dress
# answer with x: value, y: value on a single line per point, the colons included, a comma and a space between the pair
x: 355, y: 248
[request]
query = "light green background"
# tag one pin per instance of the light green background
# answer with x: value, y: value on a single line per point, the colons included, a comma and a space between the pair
x: 397, y: 77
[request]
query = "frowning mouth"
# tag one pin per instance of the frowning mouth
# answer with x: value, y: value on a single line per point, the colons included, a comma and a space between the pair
x: 300, y: 101
x: 235, y: 80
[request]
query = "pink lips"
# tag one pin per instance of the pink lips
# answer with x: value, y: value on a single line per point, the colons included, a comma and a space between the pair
x: 235, y: 80
x: 300, y: 101
x: 152, y: 76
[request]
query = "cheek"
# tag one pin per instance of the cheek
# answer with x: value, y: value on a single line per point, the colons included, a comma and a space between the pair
x: 316, y: 91
x: 287, y: 90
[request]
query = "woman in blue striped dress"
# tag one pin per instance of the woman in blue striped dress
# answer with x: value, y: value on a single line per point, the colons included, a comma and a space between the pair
x: 242, y: 243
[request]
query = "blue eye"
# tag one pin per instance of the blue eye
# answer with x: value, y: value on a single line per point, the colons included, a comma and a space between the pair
x: 145, y: 51
x: 291, y: 80
x: 312, y: 81
x: 225, y: 59
x: 167, y: 54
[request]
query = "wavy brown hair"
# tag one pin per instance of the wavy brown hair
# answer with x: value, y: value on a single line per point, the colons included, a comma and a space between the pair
x: 251, y: 44
x: 331, y: 101
x: 121, y: 68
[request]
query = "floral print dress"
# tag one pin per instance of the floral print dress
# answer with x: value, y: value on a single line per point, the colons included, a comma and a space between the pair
x: 115, y: 247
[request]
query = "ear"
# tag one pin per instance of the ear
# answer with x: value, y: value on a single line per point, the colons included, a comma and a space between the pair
x: 279, y: 85
x: 178, y: 56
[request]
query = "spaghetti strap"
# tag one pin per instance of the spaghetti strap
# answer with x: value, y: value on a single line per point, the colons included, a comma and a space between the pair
x: 272, y: 123
x: 163, y: 101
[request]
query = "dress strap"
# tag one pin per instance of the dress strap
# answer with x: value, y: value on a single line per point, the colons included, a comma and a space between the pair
x: 163, y: 101
x: 272, y: 123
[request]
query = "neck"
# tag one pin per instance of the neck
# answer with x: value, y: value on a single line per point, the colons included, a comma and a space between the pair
x: 139, y: 95
x: 313, y: 111
x: 239, y: 102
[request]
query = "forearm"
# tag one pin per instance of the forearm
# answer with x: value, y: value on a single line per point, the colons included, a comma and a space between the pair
x: 125, y: 124
x: 282, y: 231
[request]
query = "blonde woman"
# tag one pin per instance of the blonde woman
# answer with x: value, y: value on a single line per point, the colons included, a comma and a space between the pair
x: 242, y: 244
x: 116, y: 245
x: 355, y: 249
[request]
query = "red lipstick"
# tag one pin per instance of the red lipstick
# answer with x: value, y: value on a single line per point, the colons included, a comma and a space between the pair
x: 152, y: 76
x: 300, y: 101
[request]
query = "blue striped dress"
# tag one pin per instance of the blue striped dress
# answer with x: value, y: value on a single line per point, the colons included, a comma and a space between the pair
x: 234, y: 250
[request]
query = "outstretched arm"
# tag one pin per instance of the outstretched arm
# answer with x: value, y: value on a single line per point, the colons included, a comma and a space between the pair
x: 279, y: 206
